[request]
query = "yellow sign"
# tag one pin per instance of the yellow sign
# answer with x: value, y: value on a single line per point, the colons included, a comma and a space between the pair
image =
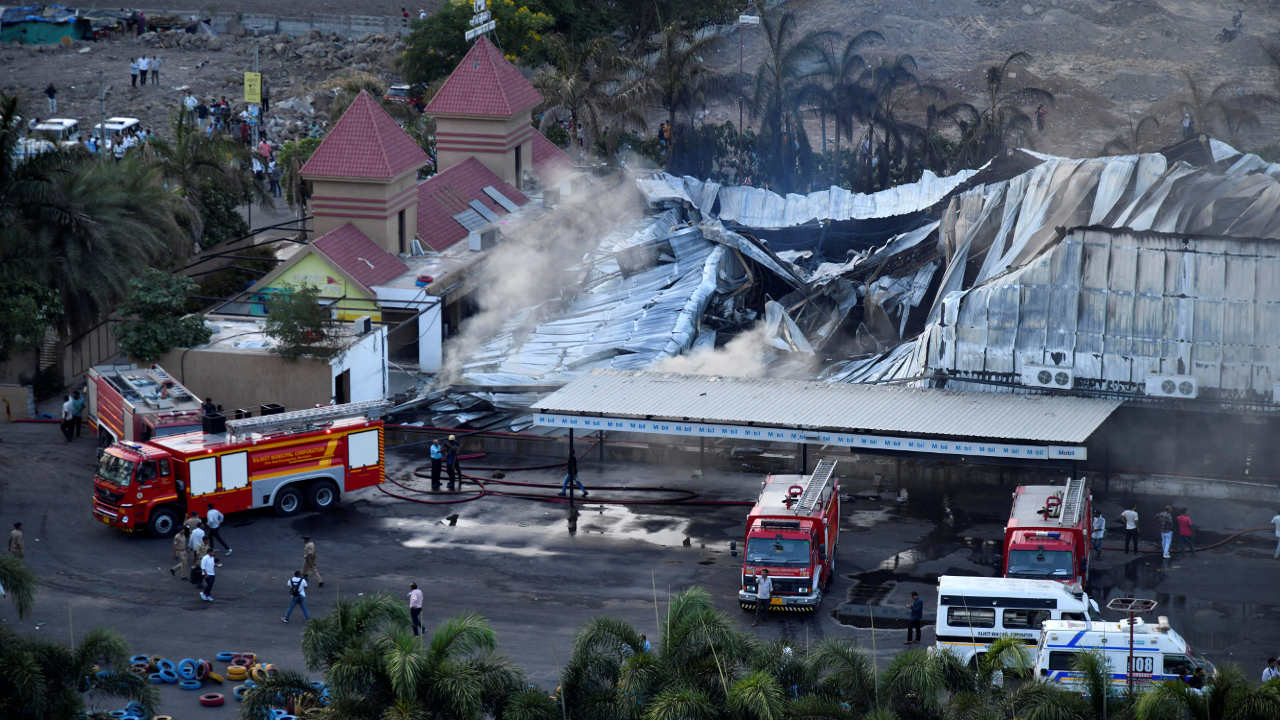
x: 253, y: 87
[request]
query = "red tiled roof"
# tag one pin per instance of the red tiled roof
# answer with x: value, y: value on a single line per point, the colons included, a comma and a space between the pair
x: 355, y: 254
x: 365, y: 143
x: 547, y: 158
x: 447, y: 194
x: 484, y: 83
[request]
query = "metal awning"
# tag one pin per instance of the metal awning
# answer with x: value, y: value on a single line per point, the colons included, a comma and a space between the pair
x: 869, y: 417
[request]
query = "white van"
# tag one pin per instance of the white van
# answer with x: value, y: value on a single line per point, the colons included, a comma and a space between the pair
x: 65, y: 132
x: 1159, y: 653
x: 974, y: 611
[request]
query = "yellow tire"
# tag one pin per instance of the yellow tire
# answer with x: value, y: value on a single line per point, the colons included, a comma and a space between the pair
x: 235, y: 672
x: 258, y: 674
x: 214, y: 677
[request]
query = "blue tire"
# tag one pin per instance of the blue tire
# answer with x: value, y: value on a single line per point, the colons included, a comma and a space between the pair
x: 225, y: 656
x: 156, y: 678
x: 239, y: 691
x: 190, y: 684
x: 169, y: 676
x: 136, y: 659
x: 165, y: 664
x: 187, y: 669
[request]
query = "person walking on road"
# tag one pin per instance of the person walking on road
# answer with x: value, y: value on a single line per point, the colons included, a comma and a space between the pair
x: 193, y: 521
x: 297, y: 596
x: 213, y: 521
x: 415, y: 607
x: 68, y: 413
x: 1275, y: 520
x: 51, y: 92
x: 764, y: 592
x: 133, y: 72
x: 917, y: 618
x: 208, y: 568
x: 571, y: 476
x: 15, y: 541
x: 437, y: 461
x: 181, y: 554
x: 77, y: 411
x: 1130, y: 517
x: 1185, y: 531
x: 1165, y: 518
x: 1099, y: 532
x: 309, y: 560
x: 196, y: 539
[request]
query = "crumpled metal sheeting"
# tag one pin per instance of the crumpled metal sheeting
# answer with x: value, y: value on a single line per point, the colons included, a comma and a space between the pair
x: 715, y: 231
x: 901, y: 293
x: 899, y: 362
x: 760, y: 208
x: 828, y: 271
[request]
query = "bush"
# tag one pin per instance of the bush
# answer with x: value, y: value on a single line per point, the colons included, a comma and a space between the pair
x: 155, y: 322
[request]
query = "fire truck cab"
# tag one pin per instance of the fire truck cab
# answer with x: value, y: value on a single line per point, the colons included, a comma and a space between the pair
x: 1047, y: 536
x: 280, y: 461
x: 793, y: 532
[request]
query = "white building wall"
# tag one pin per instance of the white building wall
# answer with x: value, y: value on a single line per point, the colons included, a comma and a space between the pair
x: 430, y: 322
x: 367, y: 360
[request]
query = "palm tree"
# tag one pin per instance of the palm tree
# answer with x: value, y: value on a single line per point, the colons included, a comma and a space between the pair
x: 1130, y: 143
x: 19, y: 583
x: 681, y: 80
x: 586, y: 82
x: 1228, y: 696
x: 891, y: 85
x: 774, y: 97
x: 843, y: 673
x: 349, y: 623
x: 692, y: 673
x: 44, y: 680
x: 832, y: 87
x: 1004, y: 118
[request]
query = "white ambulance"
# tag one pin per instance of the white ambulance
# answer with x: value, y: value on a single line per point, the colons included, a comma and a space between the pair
x: 1159, y: 653
x: 974, y: 611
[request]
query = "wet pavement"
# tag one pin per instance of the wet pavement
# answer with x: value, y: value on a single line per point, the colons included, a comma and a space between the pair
x: 516, y: 561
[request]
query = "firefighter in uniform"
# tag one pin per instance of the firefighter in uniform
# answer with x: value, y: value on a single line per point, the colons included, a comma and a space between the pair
x: 309, y: 561
x: 182, y: 554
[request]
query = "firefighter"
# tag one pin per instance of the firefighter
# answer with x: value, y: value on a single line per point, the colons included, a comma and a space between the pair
x: 451, y: 462
x: 15, y: 541
x: 437, y: 459
x: 309, y: 561
x: 181, y: 553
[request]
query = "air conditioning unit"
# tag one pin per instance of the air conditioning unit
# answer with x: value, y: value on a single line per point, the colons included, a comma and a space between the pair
x: 483, y: 239
x: 1047, y: 376
x: 1172, y: 386
x: 363, y: 324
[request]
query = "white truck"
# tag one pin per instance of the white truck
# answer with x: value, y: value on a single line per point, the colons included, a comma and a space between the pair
x: 974, y: 611
x: 1158, y: 652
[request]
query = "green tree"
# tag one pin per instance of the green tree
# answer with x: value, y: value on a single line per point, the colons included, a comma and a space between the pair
x: 211, y: 172
x: 154, y: 319
x: 681, y: 78
x: 292, y: 156
x: 784, y: 145
x: 583, y: 82
x: 1227, y: 696
x: 46, y: 681
x: 19, y: 583
x: 27, y: 308
x: 299, y: 323
x: 436, y: 45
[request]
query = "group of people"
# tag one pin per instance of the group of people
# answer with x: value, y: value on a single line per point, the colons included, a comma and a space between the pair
x: 445, y: 456
x: 1168, y: 519
x: 72, y: 415
x: 142, y: 67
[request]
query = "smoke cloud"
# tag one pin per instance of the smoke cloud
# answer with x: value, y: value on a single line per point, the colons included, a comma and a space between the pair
x: 539, y: 263
x: 754, y: 353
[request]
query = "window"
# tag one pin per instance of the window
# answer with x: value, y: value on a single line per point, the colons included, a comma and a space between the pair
x: 235, y: 470
x: 115, y: 470
x: 147, y: 472
x: 1180, y: 665
x: 164, y: 467
x: 776, y: 552
x: 362, y: 449
x: 519, y: 170
x: 1073, y: 616
x: 204, y: 476
x: 971, y: 617
x: 1024, y: 619
x: 404, y: 244
x: 1061, y: 660
x: 1040, y: 564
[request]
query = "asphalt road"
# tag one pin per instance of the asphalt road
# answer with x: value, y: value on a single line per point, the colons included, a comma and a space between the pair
x: 516, y: 563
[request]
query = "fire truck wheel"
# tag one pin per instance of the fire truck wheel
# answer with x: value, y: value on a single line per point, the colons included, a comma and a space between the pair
x: 288, y: 501
x: 322, y: 495
x: 163, y: 522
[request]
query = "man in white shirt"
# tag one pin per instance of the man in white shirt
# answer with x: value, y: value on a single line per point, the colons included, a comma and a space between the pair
x: 1130, y: 517
x: 1271, y: 671
x: 415, y: 607
x: 197, y: 539
x: 297, y: 596
x: 764, y: 591
x: 144, y: 64
x: 209, y: 568
x: 1276, y: 521
x: 68, y: 418
x: 1099, y: 532
x: 213, y: 520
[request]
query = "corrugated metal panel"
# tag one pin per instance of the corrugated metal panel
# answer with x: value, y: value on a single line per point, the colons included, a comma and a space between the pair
x: 831, y: 406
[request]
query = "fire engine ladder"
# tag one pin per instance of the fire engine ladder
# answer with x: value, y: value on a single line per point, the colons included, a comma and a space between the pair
x: 1072, y: 502
x: 303, y: 420
x: 818, y: 483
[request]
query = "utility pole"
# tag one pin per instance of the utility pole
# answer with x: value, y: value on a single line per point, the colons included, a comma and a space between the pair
x: 260, y: 118
x: 1132, y: 606
x: 102, y: 113
x: 743, y: 20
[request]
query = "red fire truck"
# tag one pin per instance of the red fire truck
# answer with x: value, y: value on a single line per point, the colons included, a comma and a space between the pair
x: 1047, y: 536
x: 130, y: 403
x: 793, y: 531
x: 280, y: 461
